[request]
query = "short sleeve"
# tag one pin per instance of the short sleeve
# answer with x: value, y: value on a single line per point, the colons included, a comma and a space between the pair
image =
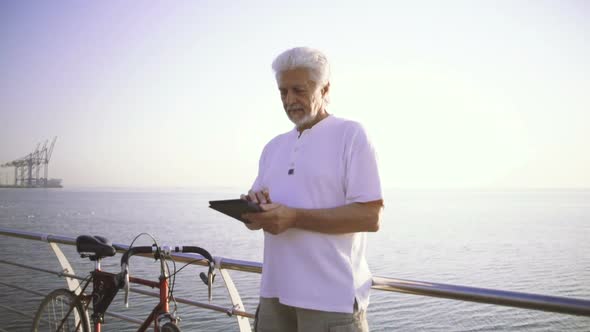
x: 258, y: 182
x: 362, y: 181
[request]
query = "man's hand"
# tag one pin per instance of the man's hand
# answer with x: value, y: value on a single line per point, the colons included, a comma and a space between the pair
x: 259, y: 197
x: 253, y: 226
x: 275, y: 219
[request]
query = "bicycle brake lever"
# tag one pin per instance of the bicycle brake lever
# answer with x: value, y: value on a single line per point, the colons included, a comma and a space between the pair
x: 210, y: 285
x: 126, y: 283
x: 204, y: 278
x: 208, y: 280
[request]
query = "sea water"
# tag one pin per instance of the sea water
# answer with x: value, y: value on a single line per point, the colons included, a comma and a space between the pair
x: 526, y: 241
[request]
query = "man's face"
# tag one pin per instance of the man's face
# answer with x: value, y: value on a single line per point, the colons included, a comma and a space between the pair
x: 302, y: 100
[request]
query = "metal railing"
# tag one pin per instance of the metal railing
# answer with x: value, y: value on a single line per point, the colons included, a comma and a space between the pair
x: 564, y: 305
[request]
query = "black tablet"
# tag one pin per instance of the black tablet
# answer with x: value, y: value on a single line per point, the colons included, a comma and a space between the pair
x: 235, y: 208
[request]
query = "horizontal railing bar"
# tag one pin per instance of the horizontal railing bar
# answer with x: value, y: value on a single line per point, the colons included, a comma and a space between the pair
x: 226, y: 263
x: 213, y: 307
x: 16, y: 311
x: 30, y: 291
x: 556, y: 304
x: 125, y: 318
x: 121, y: 317
x: 229, y: 311
x: 61, y: 274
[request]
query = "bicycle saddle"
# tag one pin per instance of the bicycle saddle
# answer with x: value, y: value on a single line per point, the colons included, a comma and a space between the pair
x: 96, y: 246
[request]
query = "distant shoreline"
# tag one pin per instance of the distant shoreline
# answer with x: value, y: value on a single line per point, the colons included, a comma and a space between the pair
x: 20, y: 187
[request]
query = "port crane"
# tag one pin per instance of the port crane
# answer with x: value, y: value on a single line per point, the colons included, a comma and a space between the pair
x: 27, y: 168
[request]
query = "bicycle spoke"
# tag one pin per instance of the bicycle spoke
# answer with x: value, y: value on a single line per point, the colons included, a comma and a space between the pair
x: 59, y: 312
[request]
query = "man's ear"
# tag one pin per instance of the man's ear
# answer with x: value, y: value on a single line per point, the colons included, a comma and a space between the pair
x: 326, y: 89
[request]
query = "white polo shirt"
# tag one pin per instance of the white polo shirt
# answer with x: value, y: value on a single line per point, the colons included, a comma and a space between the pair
x: 330, y: 165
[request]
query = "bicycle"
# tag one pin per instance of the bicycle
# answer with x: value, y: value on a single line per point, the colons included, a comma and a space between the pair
x: 64, y: 310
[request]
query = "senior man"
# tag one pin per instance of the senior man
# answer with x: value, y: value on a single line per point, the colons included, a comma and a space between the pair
x: 319, y: 188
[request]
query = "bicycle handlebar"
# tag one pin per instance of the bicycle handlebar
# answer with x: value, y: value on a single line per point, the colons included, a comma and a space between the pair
x: 164, y: 251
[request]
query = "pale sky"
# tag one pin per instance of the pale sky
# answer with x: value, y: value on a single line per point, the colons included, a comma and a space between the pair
x: 454, y: 94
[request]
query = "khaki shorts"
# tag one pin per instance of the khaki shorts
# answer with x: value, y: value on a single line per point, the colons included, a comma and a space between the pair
x: 272, y: 316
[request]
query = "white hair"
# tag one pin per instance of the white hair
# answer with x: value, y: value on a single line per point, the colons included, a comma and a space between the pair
x: 304, y: 57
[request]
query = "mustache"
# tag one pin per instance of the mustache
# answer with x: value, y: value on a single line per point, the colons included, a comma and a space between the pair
x: 293, y: 107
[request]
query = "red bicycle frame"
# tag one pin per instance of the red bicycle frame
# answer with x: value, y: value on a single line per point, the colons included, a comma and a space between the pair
x: 106, y: 285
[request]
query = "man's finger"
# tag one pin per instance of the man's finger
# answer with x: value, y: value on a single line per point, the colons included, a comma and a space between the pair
x: 252, y: 196
x: 269, y: 206
x: 259, y: 217
x: 266, y: 193
x: 261, y: 197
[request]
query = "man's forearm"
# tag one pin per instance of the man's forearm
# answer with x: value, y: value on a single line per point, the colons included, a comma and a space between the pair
x: 355, y: 217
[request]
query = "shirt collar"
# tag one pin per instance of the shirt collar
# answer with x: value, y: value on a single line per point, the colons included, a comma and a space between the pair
x: 315, y: 127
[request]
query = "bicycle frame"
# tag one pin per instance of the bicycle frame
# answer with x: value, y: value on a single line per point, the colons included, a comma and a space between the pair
x: 105, y: 288
x: 162, y: 308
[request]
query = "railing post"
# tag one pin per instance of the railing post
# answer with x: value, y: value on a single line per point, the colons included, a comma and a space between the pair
x: 236, y: 300
x: 73, y: 284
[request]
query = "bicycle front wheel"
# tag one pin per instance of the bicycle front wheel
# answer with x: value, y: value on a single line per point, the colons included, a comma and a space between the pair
x: 169, y: 327
x: 59, y: 308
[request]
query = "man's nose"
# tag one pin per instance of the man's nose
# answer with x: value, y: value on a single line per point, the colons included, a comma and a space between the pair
x: 289, y: 98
